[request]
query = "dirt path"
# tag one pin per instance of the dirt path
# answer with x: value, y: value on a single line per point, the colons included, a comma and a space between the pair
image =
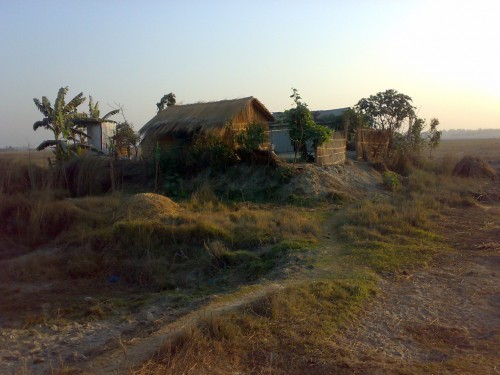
x: 441, y: 319
x: 137, y: 351
x: 39, y: 340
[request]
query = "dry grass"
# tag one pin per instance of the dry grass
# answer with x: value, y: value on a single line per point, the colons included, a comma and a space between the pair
x: 291, y: 332
x: 38, y: 158
x: 61, y: 228
x: 21, y: 176
x: 148, y: 206
x: 285, y: 332
x: 102, y: 235
x: 487, y: 149
x: 186, y: 241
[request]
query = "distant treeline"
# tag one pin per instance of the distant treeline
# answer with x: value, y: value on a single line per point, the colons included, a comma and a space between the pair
x: 468, y: 133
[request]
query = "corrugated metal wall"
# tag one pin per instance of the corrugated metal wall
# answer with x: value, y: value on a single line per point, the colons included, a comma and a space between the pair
x: 281, y: 141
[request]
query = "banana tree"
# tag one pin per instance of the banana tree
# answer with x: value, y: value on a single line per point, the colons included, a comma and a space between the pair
x: 60, y: 119
x: 92, y: 119
x: 94, y: 115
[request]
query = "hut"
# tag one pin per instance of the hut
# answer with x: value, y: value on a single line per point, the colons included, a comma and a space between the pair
x: 100, y: 134
x: 178, y: 124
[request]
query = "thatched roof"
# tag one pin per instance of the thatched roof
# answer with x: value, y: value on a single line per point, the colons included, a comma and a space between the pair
x: 203, y: 117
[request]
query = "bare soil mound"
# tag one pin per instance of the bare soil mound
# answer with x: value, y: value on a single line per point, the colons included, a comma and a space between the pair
x: 471, y: 166
x: 350, y: 179
x: 149, y: 206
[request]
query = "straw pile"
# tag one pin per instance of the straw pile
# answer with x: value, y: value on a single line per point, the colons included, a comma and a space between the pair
x: 474, y: 167
x: 149, y: 206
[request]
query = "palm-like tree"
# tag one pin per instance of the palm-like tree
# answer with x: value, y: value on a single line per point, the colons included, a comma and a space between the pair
x: 61, y: 120
x: 94, y: 115
x: 93, y: 118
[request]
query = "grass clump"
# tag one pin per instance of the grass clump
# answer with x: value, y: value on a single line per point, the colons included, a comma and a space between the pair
x: 286, y: 331
x: 145, y: 239
x: 391, y: 233
x: 392, y: 181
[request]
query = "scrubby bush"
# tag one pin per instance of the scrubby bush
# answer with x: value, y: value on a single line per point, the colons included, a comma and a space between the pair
x: 252, y: 137
x: 211, y: 151
x: 392, y: 181
x: 303, y: 128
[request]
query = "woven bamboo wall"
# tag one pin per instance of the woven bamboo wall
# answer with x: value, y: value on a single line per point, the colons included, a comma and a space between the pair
x: 372, y: 144
x: 331, y: 152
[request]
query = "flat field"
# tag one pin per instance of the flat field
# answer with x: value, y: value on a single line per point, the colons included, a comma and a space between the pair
x: 487, y: 149
x: 39, y: 158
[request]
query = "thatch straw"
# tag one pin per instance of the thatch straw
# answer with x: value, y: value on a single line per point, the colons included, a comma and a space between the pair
x: 471, y: 166
x: 149, y: 206
x: 203, y: 117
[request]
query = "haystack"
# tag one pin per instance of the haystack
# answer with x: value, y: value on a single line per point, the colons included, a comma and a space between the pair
x: 149, y: 206
x: 474, y: 167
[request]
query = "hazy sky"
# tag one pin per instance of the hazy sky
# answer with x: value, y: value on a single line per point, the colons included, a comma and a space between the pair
x: 444, y: 54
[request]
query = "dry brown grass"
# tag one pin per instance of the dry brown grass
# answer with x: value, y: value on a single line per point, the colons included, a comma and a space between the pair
x: 20, y: 176
x: 292, y: 332
x: 285, y: 332
x: 92, y: 236
x: 61, y: 228
x: 487, y: 149
x: 38, y: 158
x: 148, y: 206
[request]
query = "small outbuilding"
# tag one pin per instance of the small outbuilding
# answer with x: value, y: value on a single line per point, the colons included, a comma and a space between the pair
x: 280, y: 138
x: 100, y: 134
x: 178, y: 124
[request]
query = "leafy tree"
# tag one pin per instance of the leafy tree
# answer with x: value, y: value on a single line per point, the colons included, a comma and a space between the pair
x: 387, y: 110
x: 416, y: 136
x: 352, y: 120
x: 407, y: 147
x: 252, y: 137
x: 60, y: 120
x: 126, y: 137
x: 413, y: 136
x: 211, y: 151
x: 433, y: 136
x: 167, y: 100
x: 302, y: 127
x: 249, y: 141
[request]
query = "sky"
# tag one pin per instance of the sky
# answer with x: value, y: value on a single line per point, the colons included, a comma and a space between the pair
x: 444, y: 54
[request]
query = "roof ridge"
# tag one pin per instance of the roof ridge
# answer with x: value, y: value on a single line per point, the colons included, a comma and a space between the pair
x: 214, y: 101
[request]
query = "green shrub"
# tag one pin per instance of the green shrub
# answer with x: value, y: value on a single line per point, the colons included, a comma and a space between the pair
x: 392, y: 181
x: 211, y: 151
x: 252, y: 137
